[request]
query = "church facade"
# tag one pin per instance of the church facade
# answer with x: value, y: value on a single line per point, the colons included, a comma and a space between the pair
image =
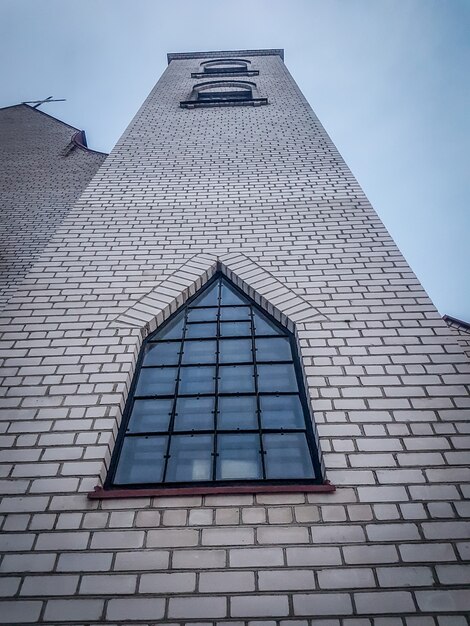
x: 227, y: 398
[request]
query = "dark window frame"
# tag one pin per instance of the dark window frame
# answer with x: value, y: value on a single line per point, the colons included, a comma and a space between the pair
x: 250, y: 98
x: 244, y: 485
x: 233, y: 67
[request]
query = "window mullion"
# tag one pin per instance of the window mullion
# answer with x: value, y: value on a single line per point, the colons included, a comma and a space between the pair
x: 258, y: 404
x: 175, y: 397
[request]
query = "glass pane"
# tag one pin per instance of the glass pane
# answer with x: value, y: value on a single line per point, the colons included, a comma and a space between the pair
x: 209, y: 297
x: 172, y: 330
x: 235, y: 313
x: 162, y: 353
x: 228, y: 295
x: 281, y: 412
x: 237, y: 412
x: 190, y: 458
x: 263, y: 326
x: 199, y: 351
x: 277, y: 378
x: 195, y: 331
x: 236, y: 379
x: 156, y: 381
x: 195, y: 413
x: 141, y: 460
x: 287, y: 456
x: 238, y: 457
x: 195, y: 380
x: 202, y: 315
x: 235, y: 351
x: 235, y: 329
x: 150, y: 416
x: 273, y: 349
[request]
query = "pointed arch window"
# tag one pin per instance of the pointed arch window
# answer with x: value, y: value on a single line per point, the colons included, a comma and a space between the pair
x: 217, y: 399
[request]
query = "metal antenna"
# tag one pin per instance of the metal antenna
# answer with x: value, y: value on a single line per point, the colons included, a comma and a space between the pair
x: 38, y: 103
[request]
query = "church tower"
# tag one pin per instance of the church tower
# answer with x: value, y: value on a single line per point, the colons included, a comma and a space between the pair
x: 227, y: 398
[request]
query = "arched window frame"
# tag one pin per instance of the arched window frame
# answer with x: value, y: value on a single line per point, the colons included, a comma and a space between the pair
x: 264, y: 484
x: 233, y: 67
x: 254, y: 98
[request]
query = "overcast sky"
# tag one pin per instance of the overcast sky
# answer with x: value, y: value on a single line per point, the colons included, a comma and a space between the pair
x: 389, y: 79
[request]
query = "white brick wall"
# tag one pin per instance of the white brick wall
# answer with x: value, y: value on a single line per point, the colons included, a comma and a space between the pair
x: 264, y: 191
x: 42, y: 174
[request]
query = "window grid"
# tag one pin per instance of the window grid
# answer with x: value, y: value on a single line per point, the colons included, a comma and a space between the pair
x: 275, y: 331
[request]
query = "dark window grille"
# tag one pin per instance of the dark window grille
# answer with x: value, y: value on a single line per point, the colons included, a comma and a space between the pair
x: 217, y: 398
x: 229, y: 96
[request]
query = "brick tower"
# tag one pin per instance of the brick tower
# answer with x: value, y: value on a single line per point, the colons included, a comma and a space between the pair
x: 228, y: 400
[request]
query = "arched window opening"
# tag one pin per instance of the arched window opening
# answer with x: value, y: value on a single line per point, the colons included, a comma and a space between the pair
x: 225, y: 67
x: 217, y: 399
x: 224, y: 92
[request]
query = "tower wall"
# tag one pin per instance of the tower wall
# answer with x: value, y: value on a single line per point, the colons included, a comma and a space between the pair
x: 42, y: 174
x: 388, y: 382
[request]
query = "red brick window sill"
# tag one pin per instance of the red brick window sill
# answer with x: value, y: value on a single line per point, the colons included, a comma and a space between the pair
x: 107, y: 494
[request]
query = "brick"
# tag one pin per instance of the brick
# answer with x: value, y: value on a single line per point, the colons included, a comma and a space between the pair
x: 405, y: 576
x: 322, y: 604
x: 286, y: 579
x: 282, y: 534
x: 345, y: 578
x: 424, y: 552
x: 108, y: 584
x: 139, y: 560
x: 443, y: 600
x: 370, y: 554
x: 384, y: 602
x: 259, y: 606
x: 167, y: 583
x: 198, y: 559
x: 226, y: 582
x: 194, y: 607
x: 44, y: 586
x: 313, y: 556
x: 166, y: 538
x: 227, y: 537
x: 19, y: 611
x: 135, y: 609
x: 28, y: 562
x: 72, y: 610
x: 255, y: 557
x: 117, y: 539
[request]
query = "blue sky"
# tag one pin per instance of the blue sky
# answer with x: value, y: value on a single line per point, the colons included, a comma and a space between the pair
x: 389, y: 79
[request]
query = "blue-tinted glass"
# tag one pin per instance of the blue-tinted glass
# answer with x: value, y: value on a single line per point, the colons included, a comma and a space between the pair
x: 228, y: 295
x: 150, y: 416
x: 195, y: 413
x: 277, y: 378
x: 273, y: 349
x: 238, y: 457
x: 190, y: 458
x: 141, y: 460
x: 199, y: 351
x: 194, y: 380
x: 209, y: 297
x: 236, y: 379
x: 235, y: 329
x: 172, y: 330
x: 263, y: 326
x: 281, y: 412
x: 195, y: 331
x: 162, y: 353
x: 156, y: 381
x: 235, y: 351
x: 202, y: 315
x: 235, y: 313
x: 287, y: 456
x: 237, y: 412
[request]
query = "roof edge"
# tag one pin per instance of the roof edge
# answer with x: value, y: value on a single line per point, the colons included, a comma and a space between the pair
x: 177, y: 56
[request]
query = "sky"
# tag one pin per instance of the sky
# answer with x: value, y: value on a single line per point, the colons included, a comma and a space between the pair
x: 389, y: 80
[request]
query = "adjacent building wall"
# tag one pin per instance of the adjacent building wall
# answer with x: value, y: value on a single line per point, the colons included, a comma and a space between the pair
x: 42, y: 174
x: 263, y: 190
